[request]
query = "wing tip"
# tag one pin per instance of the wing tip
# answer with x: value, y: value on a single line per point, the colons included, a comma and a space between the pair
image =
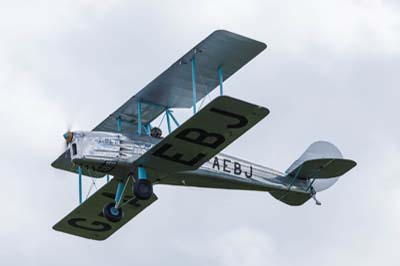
x: 352, y: 163
x: 57, y: 228
x: 263, y: 45
x: 259, y: 109
x: 265, y: 110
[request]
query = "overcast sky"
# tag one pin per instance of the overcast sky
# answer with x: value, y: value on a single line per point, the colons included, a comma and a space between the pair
x: 330, y: 72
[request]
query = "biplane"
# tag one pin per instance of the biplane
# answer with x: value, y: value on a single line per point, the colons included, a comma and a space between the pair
x: 134, y: 152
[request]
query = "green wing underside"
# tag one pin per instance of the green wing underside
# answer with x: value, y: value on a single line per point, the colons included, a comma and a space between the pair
x: 323, y: 168
x: 203, y: 136
x: 63, y: 162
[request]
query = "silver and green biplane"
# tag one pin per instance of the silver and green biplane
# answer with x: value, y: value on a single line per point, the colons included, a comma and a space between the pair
x: 126, y: 145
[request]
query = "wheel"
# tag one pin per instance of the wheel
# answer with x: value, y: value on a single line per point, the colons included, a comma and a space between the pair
x: 111, y: 213
x: 143, y: 189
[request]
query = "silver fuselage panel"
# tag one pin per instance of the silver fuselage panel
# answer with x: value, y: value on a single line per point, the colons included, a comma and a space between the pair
x: 115, y: 154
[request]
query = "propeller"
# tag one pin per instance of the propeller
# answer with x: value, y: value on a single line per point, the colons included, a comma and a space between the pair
x: 68, y: 136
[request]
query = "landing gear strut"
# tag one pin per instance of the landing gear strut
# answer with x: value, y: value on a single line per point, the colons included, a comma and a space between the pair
x: 142, y: 189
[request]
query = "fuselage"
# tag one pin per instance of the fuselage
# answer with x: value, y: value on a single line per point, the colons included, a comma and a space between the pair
x: 115, y: 154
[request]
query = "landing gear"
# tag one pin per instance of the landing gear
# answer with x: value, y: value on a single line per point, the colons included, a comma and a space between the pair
x: 317, y: 201
x: 112, y: 213
x: 143, y: 189
x: 314, y: 196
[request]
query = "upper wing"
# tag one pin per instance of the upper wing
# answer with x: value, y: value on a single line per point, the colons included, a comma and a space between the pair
x: 87, y: 220
x: 202, y: 136
x: 173, y: 88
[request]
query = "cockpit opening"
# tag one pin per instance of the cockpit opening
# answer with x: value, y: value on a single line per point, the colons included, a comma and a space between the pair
x: 156, y: 133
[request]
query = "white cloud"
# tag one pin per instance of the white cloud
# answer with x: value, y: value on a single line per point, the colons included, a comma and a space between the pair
x: 244, y: 247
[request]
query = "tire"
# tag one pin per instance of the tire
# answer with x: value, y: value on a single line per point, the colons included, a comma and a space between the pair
x: 143, y: 189
x: 111, y: 213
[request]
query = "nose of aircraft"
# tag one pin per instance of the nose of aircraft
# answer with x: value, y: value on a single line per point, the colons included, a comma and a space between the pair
x: 68, y: 136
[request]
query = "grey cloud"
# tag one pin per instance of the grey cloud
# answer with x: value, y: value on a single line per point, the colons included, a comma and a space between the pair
x: 329, y: 72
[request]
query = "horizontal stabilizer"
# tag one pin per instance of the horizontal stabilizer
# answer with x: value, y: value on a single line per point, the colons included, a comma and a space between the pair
x: 291, y: 198
x: 323, y: 168
x: 87, y: 219
x: 321, y: 160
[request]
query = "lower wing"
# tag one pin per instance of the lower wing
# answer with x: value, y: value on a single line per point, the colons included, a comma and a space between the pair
x: 87, y: 220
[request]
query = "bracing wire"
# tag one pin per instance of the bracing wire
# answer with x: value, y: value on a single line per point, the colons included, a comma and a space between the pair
x: 162, y: 119
x: 92, y: 184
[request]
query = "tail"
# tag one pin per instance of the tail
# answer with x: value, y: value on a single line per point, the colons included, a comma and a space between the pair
x: 317, y: 169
